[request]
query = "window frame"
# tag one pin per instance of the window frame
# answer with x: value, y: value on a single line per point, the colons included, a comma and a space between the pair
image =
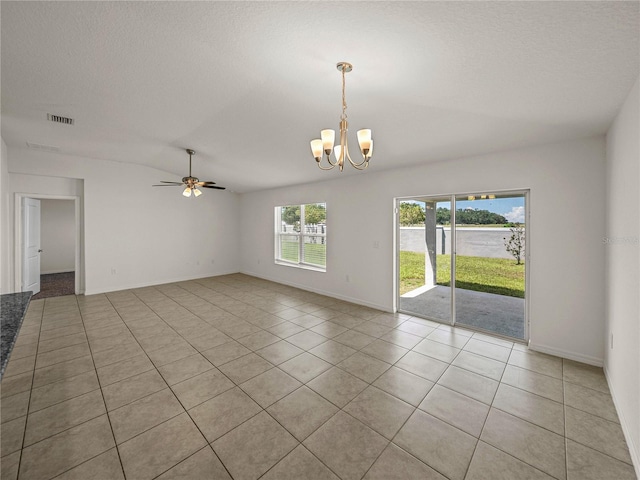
x: 300, y: 236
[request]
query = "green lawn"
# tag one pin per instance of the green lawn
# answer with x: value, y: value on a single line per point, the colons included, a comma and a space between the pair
x: 492, y: 275
x: 314, y: 253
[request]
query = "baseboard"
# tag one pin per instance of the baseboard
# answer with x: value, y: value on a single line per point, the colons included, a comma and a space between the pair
x: 51, y: 272
x: 322, y: 292
x: 578, y: 357
x: 633, y: 449
x: 118, y: 288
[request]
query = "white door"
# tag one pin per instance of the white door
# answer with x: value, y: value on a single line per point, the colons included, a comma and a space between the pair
x: 31, y: 244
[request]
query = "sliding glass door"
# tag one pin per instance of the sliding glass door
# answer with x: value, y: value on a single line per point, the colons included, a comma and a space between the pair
x: 461, y: 260
x: 424, y: 257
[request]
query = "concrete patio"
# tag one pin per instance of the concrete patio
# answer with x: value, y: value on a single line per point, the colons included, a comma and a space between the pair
x: 487, y: 311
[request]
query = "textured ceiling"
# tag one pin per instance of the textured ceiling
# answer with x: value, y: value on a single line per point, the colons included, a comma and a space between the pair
x: 248, y: 84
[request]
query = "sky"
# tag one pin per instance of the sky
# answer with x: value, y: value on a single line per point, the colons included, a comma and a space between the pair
x: 511, y: 208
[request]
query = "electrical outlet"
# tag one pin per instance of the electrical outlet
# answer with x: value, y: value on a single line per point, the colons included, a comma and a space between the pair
x: 376, y: 244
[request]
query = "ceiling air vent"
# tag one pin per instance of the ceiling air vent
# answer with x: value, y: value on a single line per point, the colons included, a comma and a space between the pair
x: 59, y: 119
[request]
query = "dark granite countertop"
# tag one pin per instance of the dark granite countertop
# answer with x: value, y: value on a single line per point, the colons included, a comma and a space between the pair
x: 13, y: 307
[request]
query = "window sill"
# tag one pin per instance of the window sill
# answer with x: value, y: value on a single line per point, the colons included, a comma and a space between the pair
x: 301, y: 266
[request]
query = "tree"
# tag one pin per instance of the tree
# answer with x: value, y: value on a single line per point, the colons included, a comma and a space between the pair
x: 515, y: 244
x: 291, y: 214
x: 443, y: 216
x: 411, y: 214
x: 315, y: 213
x: 469, y: 216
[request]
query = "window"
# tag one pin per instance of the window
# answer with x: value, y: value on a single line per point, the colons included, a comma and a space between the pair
x: 301, y: 235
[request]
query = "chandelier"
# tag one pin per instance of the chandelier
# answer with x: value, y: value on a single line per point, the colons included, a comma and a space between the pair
x: 324, y: 144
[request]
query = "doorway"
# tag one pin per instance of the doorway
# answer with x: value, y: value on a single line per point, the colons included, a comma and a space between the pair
x: 462, y: 260
x: 60, y: 259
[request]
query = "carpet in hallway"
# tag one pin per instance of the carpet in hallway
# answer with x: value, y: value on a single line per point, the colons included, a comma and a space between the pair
x: 56, y: 285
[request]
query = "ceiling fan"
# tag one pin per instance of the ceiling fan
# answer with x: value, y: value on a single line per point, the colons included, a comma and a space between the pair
x: 190, y: 183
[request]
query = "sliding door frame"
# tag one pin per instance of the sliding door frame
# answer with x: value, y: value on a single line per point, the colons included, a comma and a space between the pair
x: 525, y: 192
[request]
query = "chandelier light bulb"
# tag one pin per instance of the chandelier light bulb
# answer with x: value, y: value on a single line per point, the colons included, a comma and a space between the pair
x: 316, y: 149
x: 364, y: 139
x: 197, y: 192
x: 328, y: 139
x: 187, y: 192
x: 337, y: 150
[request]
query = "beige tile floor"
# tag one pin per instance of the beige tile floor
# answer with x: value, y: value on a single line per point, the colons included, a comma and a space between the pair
x: 236, y: 377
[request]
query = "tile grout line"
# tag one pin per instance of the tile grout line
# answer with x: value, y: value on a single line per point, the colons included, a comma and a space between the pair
x: 61, y: 431
x: 115, y: 444
x: 416, y: 408
x: 475, y: 448
x: 264, y: 409
x: 184, y: 408
x: 245, y: 294
x: 33, y: 374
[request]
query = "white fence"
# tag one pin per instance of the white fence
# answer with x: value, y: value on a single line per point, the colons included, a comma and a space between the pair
x: 471, y: 241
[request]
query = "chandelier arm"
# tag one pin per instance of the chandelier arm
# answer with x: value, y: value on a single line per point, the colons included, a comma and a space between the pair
x: 360, y: 166
x: 344, y: 143
x: 331, y: 163
x: 364, y: 162
x: 327, y: 168
x: 346, y: 148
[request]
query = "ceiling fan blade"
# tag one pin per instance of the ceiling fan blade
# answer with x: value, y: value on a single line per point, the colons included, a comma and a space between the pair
x: 213, y: 186
x: 205, y: 183
x: 168, y: 185
x: 175, y: 183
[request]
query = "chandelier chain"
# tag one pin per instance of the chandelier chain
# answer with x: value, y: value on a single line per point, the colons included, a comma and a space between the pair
x: 344, y: 98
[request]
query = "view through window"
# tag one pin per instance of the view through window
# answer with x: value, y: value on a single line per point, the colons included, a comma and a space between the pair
x: 301, y: 235
x: 462, y: 260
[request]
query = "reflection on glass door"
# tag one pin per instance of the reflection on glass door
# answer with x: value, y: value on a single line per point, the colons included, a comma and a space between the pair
x: 481, y: 283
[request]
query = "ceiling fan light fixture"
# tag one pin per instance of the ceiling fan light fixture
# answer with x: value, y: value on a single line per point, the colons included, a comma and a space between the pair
x: 341, y: 151
x: 190, y: 183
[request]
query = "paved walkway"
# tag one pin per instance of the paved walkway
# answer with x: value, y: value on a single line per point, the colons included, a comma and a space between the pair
x: 496, y: 313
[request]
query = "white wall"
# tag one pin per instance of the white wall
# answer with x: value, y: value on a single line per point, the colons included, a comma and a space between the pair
x: 57, y: 236
x: 567, y: 187
x: 622, y: 362
x: 134, y: 234
x: 4, y: 220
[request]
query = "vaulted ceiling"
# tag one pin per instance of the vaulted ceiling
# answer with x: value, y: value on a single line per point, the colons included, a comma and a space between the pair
x: 248, y: 84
